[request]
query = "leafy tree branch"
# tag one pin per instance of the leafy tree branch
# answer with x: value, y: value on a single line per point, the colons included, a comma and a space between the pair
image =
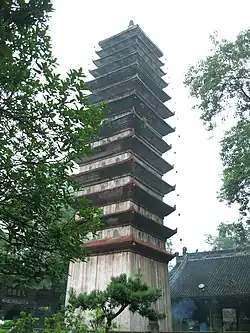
x: 221, y: 86
x: 47, y: 122
x: 121, y: 293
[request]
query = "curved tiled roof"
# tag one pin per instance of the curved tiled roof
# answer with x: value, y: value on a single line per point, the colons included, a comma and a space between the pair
x: 223, y: 273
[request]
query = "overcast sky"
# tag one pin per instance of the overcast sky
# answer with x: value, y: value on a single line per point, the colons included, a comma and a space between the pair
x: 181, y: 29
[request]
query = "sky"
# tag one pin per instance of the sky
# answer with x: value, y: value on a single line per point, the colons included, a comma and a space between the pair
x: 181, y: 29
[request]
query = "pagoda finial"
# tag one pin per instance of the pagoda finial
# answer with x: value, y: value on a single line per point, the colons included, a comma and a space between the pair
x: 131, y: 24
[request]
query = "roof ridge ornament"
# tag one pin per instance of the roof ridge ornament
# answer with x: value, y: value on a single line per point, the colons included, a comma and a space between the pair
x: 131, y: 24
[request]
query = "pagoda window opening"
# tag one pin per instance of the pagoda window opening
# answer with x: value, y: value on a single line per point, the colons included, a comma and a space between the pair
x: 116, y: 233
x: 12, y: 314
x: 108, y: 234
x: 16, y: 292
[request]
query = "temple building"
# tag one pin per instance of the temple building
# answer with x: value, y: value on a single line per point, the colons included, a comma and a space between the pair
x: 43, y: 302
x: 124, y: 175
x: 211, y: 290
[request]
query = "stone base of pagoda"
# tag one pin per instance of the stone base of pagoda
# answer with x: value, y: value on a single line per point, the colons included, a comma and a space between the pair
x: 97, y: 273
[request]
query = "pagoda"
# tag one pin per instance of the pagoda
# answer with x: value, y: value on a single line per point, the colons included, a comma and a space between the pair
x: 124, y: 175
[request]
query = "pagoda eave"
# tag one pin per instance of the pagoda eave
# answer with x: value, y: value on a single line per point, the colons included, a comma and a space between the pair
x: 129, y: 166
x: 133, y: 122
x: 129, y: 191
x: 135, y: 99
x: 129, y: 243
x: 140, y: 222
x: 133, y: 145
x: 133, y: 103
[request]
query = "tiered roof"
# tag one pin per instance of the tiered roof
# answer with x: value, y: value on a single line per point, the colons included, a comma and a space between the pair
x: 124, y: 174
x: 211, y: 274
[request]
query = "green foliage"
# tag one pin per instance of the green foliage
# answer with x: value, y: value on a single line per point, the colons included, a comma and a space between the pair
x: 62, y: 322
x: 235, y: 154
x: 222, y: 78
x: 221, y: 83
x: 169, y: 245
x: 67, y: 320
x: 47, y: 122
x: 122, y: 292
x: 25, y: 324
x: 5, y: 325
x: 230, y: 235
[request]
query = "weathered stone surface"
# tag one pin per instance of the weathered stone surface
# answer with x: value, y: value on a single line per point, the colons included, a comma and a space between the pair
x: 84, y: 277
x: 105, y: 161
x: 130, y: 230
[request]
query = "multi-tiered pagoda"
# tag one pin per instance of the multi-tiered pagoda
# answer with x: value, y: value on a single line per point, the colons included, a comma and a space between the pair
x: 124, y: 175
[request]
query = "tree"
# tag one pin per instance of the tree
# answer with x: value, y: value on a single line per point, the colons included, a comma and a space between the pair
x: 235, y: 154
x: 221, y: 83
x: 169, y: 245
x: 122, y: 292
x: 230, y: 235
x: 47, y: 122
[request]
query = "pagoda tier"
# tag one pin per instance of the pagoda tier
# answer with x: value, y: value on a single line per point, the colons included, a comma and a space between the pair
x: 140, y: 222
x: 147, y: 226
x: 141, y: 129
x: 126, y: 188
x: 129, y: 243
x: 132, y: 166
x: 135, y: 103
x: 127, y: 142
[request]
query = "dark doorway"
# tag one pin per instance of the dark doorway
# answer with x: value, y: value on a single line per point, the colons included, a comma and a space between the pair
x: 12, y: 314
